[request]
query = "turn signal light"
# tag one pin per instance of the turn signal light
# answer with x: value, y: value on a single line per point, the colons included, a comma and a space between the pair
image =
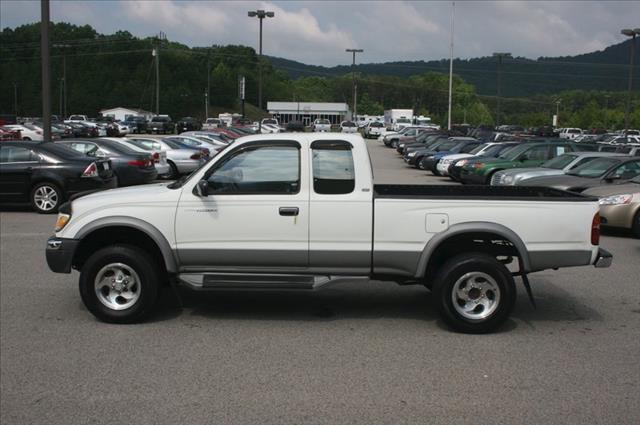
x: 62, y: 221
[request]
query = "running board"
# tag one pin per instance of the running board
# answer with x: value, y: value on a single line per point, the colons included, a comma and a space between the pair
x: 235, y: 281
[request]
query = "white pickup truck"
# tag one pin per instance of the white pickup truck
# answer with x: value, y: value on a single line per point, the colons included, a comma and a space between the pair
x: 300, y: 211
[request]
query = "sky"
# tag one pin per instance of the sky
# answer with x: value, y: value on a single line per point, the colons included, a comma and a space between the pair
x: 318, y: 32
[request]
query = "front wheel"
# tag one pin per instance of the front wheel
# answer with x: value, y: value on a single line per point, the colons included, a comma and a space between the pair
x: 119, y: 284
x: 474, y: 293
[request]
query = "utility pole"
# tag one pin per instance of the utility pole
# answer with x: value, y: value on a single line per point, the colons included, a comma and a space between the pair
x: 63, y: 86
x: 206, y: 115
x: 260, y: 14
x: 241, y: 91
x: 156, y: 53
x: 630, y: 33
x: 453, y: 5
x: 354, y: 117
x: 206, y: 105
x: 46, y: 69
x: 500, y: 56
x: 606, y: 111
x: 558, y: 112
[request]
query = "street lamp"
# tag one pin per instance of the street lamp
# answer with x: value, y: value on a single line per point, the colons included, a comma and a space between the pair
x: 354, y: 118
x: 500, y: 56
x: 630, y: 33
x: 260, y: 14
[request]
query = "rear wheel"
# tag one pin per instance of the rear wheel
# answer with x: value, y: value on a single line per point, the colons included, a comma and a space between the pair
x: 46, y: 198
x: 173, y: 173
x: 474, y: 293
x: 119, y: 284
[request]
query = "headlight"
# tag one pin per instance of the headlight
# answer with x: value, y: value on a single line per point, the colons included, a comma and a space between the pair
x: 410, y: 154
x: 462, y: 162
x: 616, y: 199
x: 507, y: 179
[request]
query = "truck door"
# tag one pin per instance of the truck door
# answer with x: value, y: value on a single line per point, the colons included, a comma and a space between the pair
x: 340, y: 226
x: 256, y: 214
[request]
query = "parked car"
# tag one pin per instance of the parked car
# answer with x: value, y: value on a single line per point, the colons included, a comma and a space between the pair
x: 348, y: 127
x: 295, y: 127
x: 554, y: 167
x: 619, y: 205
x: 212, y: 123
x: 188, y: 124
x: 570, y: 133
x: 527, y: 155
x: 392, y: 138
x: 265, y: 128
x: 485, y: 149
x: 606, y: 171
x: 129, y: 166
x: 159, y: 157
x: 46, y: 174
x: 9, y: 134
x: 181, y: 159
x: 251, y: 219
x: 78, y: 118
x: 136, y: 124
x: 495, y: 151
x: 161, y: 124
x: 463, y: 145
x: 374, y: 129
x: 207, y: 147
x: 321, y: 126
x: 28, y: 132
x: 209, y: 136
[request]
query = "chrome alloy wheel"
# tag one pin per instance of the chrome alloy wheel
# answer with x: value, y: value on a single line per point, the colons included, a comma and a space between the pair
x: 117, y: 286
x: 45, y: 198
x: 475, y: 296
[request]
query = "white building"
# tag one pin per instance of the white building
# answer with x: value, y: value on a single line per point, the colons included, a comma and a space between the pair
x: 307, y: 112
x: 120, y: 113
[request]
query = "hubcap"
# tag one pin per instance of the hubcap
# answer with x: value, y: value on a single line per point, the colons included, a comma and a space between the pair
x: 117, y: 286
x: 475, y: 296
x: 46, y: 198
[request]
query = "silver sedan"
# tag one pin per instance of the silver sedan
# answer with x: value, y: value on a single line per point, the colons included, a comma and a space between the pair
x: 181, y: 159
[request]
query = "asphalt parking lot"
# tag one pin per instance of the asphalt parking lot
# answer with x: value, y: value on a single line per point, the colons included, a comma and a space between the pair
x: 356, y: 353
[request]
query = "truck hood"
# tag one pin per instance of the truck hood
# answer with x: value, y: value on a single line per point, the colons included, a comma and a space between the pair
x: 135, y: 195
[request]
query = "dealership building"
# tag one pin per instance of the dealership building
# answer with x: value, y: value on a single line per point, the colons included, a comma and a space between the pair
x: 307, y: 112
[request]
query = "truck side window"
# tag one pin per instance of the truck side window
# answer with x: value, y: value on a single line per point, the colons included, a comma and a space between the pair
x: 258, y: 170
x: 333, y: 172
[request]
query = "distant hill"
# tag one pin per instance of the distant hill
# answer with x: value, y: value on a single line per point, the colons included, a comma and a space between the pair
x: 601, y: 70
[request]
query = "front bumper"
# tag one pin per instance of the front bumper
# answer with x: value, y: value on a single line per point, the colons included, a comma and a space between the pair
x: 430, y: 163
x: 603, y: 259
x: 60, y: 252
x: 471, y: 177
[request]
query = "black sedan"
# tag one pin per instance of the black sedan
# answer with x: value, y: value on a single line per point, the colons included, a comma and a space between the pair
x: 45, y: 174
x: 599, y: 172
x: 131, y: 167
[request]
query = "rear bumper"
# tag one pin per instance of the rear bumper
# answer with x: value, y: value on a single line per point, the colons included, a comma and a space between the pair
x: 59, y: 253
x: 603, y: 259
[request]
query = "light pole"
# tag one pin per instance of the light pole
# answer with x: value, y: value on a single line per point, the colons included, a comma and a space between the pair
x: 630, y: 33
x: 45, y: 43
x: 206, y: 105
x: 558, y: 112
x: 260, y: 14
x: 500, y: 56
x: 453, y: 5
x: 353, y: 77
x: 606, y: 111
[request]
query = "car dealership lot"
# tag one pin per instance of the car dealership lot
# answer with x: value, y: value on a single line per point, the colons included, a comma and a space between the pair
x: 356, y: 353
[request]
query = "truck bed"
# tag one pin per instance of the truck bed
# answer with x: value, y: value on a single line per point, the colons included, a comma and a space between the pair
x: 515, y: 193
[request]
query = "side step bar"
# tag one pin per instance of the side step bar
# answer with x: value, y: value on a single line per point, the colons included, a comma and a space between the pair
x: 236, y: 281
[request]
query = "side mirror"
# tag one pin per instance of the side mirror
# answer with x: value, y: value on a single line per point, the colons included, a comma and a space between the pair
x: 202, y: 188
x: 612, y: 177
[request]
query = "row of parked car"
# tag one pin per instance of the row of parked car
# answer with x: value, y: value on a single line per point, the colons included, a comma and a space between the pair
x: 45, y: 174
x: 610, y: 171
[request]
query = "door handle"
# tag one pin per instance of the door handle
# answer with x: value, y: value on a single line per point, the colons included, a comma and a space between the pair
x: 289, y: 211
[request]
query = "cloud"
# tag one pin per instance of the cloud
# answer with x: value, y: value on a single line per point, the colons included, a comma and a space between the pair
x: 317, y: 32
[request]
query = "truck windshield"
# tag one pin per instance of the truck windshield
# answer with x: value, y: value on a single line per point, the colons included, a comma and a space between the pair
x: 403, y: 121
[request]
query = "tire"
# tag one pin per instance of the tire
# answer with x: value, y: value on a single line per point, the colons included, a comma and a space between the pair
x: 635, y: 225
x: 174, y: 173
x: 489, y: 177
x: 490, y: 303
x: 26, y: 139
x: 46, y: 197
x: 136, y: 297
